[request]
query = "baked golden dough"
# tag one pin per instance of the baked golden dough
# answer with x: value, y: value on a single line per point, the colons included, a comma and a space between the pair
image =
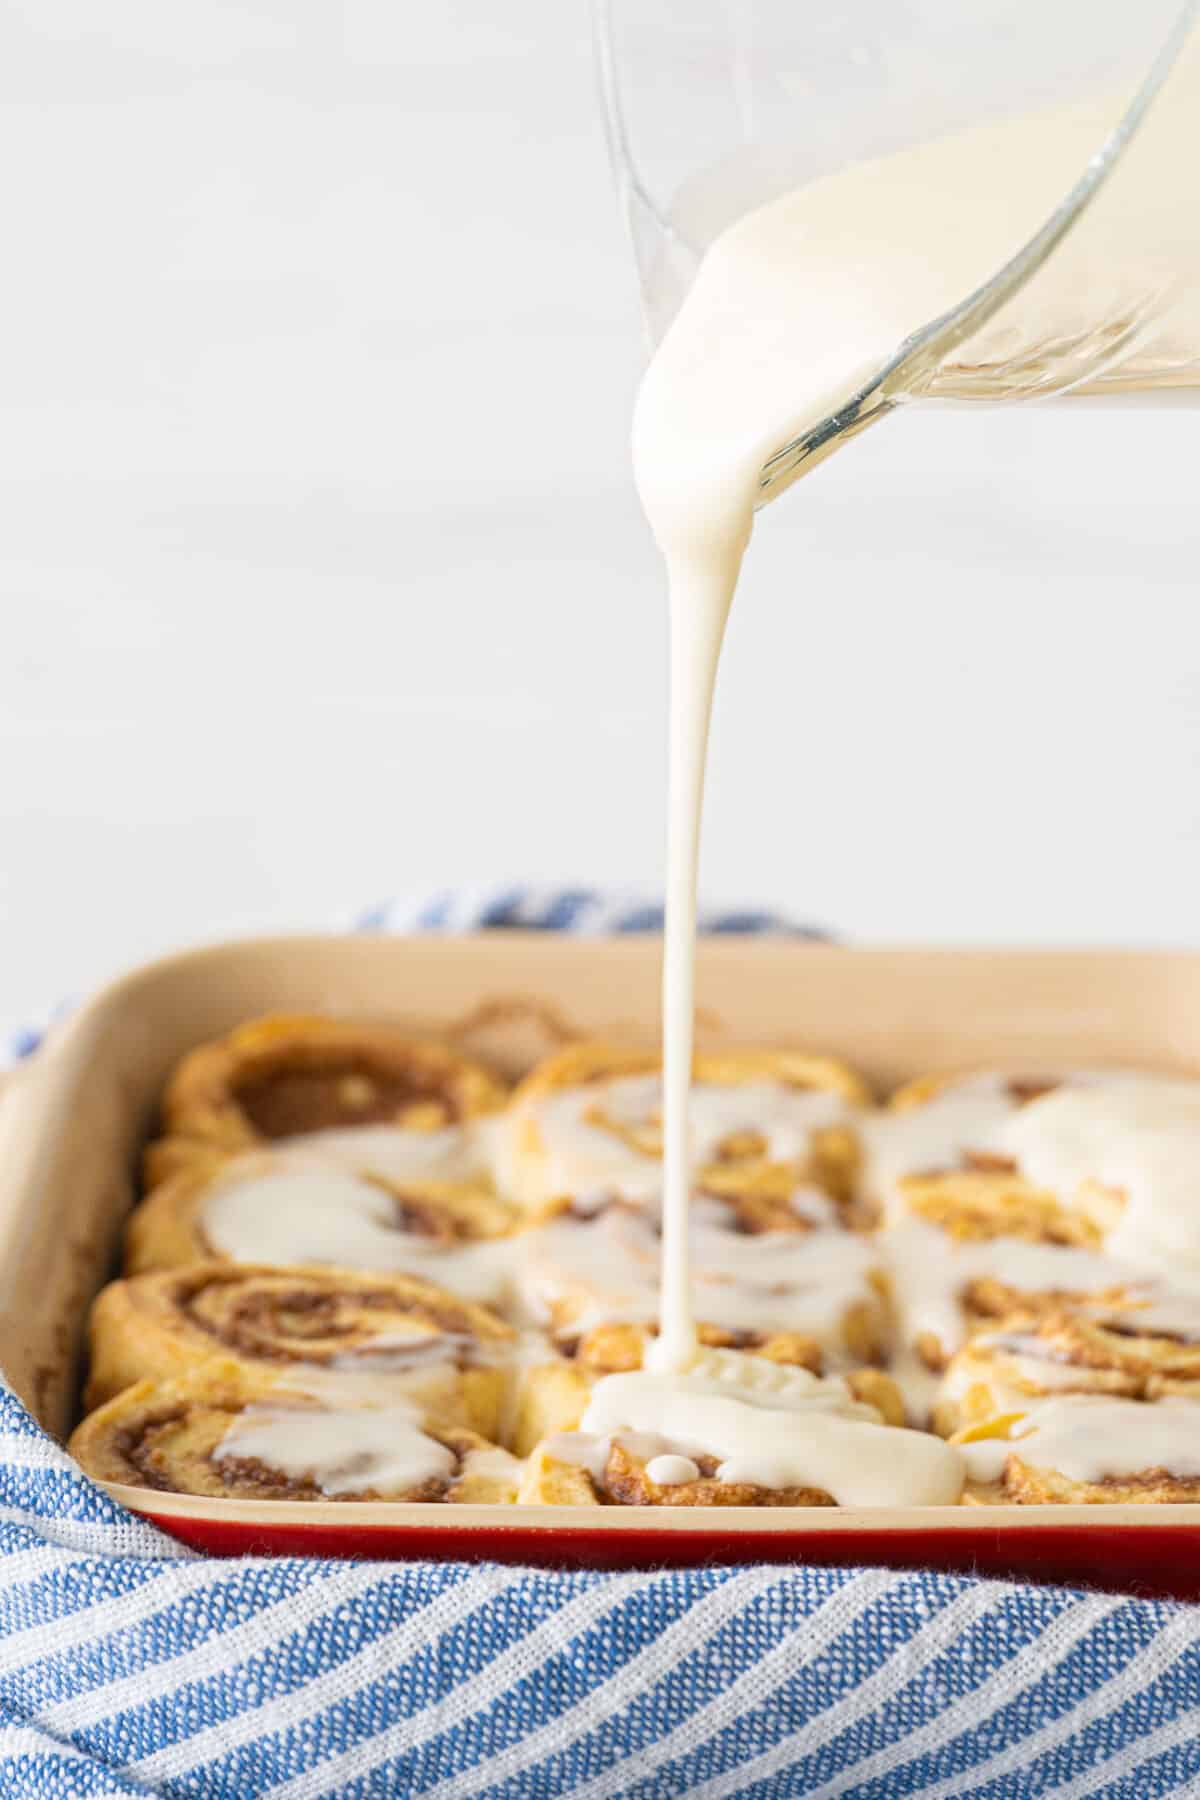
x: 1124, y: 1351
x: 974, y: 1205
x: 169, y: 1435
x: 590, y: 1069
x: 922, y: 1088
x: 272, y: 1322
x: 551, y: 1479
x: 974, y: 1217
x: 616, y: 1348
x: 285, y: 1076
x: 763, y: 1196
x: 167, y: 1228
x: 1024, y: 1484
x: 1027, y: 1479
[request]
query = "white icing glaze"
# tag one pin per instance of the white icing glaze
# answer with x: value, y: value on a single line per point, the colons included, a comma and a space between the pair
x: 434, y: 1387
x: 452, y: 1154
x: 1016, y: 1371
x: 985, y: 1459
x: 1171, y: 1315
x: 580, y: 1151
x: 930, y: 1271
x: 581, y: 1449
x: 373, y: 1447
x: 971, y: 1114
x: 305, y: 1213
x: 609, y: 1260
x: 761, y: 1282
x: 777, y: 1428
x: 1139, y: 1136
x: 935, y: 1135
x: 809, y: 1204
x: 1087, y: 1438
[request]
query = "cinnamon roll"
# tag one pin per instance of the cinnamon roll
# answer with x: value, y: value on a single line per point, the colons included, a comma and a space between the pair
x: 1085, y: 1450
x: 946, y: 1284
x: 414, y: 1337
x: 1108, y: 1155
x: 945, y: 1127
x: 365, y: 1095
x: 974, y: 1205
x: 1141, y: 1351
x: 812, y: 1294
x: 222, y: 1431
x: 737, y: 1431
x: 1125, y: 1154
x: 286, y: 1208
x: 589, y: 1121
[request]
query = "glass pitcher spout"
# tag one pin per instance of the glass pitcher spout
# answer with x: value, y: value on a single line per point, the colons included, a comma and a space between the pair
x: 1041, y: 250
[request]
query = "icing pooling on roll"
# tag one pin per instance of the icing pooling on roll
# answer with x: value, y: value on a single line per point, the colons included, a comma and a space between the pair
x: 771, y: 1427
x: 374, y: 1447
x: 1089, y: 1439
x: 306, y: 1214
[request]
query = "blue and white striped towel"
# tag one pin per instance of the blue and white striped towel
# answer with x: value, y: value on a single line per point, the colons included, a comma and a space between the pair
x: 128, y: 1666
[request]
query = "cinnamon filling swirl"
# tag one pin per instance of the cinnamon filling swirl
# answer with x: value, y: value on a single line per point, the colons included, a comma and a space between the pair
x: 291, y: 1102
x: 303, y: 1319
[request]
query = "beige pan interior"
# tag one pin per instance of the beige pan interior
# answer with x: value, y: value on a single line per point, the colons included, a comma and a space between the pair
x: 72, y: 1120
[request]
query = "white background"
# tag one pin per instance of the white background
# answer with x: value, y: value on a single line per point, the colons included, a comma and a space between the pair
x: 322, y: 577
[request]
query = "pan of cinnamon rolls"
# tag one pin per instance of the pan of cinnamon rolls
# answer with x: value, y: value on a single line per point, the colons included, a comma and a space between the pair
x: 362, y: 1269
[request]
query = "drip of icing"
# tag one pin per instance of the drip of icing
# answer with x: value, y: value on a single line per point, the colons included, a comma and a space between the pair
x: 374, y: 1447
x: 581, y: 1450
x: 985, y: 1459
x: 777, y: 1428
x: 672, y: 1471
x: 306, y: 1214
x: 1087, y: 1438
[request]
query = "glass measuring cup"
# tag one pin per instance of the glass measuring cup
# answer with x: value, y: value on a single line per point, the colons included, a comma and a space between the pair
x: 720, y: 106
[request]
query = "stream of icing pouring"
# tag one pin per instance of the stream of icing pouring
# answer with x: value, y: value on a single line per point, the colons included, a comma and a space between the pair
x: 793, y: 313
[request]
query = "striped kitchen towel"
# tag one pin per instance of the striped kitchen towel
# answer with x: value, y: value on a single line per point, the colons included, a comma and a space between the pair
x: 129, y: 1666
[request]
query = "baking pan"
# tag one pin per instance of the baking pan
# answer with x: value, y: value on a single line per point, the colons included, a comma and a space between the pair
x: 72, y: 1122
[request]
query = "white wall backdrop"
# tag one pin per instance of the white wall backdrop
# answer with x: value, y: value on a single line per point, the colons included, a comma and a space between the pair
x: 321, y: 573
